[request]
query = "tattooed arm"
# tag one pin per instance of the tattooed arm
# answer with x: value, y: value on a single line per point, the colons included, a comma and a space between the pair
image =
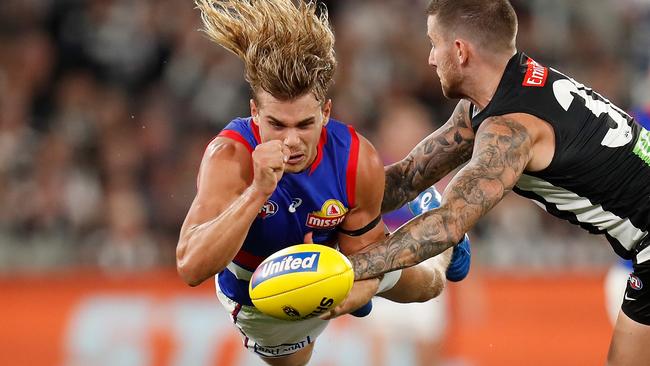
x: 433, y: 158
x: 502, y: 150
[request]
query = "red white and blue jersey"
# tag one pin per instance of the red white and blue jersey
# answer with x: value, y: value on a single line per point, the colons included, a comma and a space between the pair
x: 314, y: 200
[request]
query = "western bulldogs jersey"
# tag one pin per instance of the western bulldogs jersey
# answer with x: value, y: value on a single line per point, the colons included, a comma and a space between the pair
x: 314, y: 200
x: 599, y: 177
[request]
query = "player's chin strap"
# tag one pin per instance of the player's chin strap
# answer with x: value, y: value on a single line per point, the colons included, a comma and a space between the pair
x: 361, y: 231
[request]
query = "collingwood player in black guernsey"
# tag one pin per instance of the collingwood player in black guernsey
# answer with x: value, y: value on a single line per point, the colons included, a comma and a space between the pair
x: 522, y: 126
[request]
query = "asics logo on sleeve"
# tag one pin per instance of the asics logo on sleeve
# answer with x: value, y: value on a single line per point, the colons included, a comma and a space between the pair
x: 294, y: 204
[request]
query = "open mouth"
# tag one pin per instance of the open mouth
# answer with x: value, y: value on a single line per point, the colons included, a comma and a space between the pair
x: 295, y: 158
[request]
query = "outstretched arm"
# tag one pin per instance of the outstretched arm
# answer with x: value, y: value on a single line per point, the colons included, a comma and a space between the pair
x: 369, y: 190
x: 415, y: 284
x: 433, y: 158
x: 502, y: 150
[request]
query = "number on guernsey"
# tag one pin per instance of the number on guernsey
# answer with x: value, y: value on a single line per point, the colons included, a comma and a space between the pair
x: 620, y: 132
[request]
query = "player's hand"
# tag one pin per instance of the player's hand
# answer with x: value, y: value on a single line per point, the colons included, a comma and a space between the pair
x: 269, y: 159
x: 362, y: 291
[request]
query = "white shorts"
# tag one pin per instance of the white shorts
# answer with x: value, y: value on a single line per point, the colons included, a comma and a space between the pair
x: 268, y: 336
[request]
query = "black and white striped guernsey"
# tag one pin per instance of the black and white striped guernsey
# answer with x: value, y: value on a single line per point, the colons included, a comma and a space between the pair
x: 599, y: 177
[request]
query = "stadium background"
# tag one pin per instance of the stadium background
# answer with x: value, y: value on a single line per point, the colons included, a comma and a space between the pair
x: 106, y: 106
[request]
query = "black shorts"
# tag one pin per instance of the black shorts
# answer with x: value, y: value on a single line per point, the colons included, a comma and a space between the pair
x: 636, y: 301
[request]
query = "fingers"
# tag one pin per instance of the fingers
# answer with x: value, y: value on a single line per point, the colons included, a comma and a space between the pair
x: 334, y: 313
x: 360, y: 294
x: 269, y: 160
x: 272, y: 154
x: 280, y: 155
x: 286, y: 152
x: 309, y: 238
x: 328, y: 315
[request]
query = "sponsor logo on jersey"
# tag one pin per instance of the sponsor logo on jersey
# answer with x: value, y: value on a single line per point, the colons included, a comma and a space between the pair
x: 535, y: 75
x: 330, y: 215
x: 290, y: 263
x: 269, y: 209
x: 635, y: 282
x: 281, y: 349
x: 642, y: 146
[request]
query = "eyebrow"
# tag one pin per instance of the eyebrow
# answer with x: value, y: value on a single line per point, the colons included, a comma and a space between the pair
x: 303, y: 122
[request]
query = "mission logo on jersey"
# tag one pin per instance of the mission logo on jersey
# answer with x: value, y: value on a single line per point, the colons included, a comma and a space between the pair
x: 330, y: 215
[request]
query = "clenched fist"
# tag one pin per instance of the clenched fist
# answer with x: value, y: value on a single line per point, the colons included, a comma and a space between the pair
x: 269, y: 159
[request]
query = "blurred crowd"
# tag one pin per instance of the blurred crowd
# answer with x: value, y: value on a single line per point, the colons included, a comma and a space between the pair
x: 106, y: 107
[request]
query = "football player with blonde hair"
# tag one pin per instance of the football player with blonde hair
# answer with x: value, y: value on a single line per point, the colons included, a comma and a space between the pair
x: 286, y: 172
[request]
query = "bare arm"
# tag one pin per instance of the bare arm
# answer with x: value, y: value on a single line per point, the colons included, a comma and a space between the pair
x: 369, y: 190
x: 502, y: 150
x: 432, y: 159
x: 227, y: 202
x: 416, y: 284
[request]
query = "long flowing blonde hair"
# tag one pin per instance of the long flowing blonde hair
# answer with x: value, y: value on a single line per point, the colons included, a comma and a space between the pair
x: 287, y: 48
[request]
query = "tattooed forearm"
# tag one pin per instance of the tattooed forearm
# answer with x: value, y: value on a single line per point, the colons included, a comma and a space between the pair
x: 397, y: 190
x: 430, y: 160
x: 423, y: 237
x: 501, y: 152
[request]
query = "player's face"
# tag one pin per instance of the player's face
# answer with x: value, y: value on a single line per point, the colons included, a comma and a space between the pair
x: 298, y: 123
x: 443, y: 59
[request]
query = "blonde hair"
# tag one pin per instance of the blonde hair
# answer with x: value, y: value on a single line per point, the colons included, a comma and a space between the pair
x: 287, y: 49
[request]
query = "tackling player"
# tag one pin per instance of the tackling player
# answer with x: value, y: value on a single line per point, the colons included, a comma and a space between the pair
x: 523, y: 126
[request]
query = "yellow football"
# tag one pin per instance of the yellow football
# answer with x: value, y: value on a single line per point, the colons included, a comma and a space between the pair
x: 301, y: 281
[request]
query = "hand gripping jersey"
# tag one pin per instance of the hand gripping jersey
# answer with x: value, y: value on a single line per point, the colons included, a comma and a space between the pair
x: 599, y: 177
x: 315, y: 200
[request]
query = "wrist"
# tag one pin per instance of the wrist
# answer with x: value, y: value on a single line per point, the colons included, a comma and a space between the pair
x: 256, y: 194
x: 255, y: 198
x: 377, y: 282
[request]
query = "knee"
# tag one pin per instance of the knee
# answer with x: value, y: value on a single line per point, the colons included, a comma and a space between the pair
x: 434, y: 289
x: 438, y: 286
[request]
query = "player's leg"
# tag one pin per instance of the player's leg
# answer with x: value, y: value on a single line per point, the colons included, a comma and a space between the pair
x: 458, y: 268
x: 298, y: 358
x: 614, y: 286
x: 277, y: 342
x: 427, y: 280
x: 422, y: 282
x: 630, y: 343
